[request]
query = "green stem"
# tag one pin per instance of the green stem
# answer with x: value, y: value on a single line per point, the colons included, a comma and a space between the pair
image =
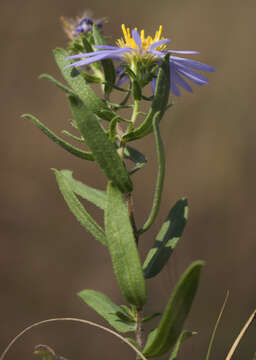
x: 139, y: 312
x: 135, y: 113
x: 132, y: 219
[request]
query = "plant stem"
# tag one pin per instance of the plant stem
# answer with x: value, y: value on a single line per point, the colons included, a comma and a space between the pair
x: 139, y: 330
x: 134, y: 115
x: 132, y: 219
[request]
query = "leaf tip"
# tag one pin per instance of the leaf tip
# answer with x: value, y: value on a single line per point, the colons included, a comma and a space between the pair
x: 56, y: 50
x: 42, y: 76
x: 56, y: 172
x: 26, y: 116
x: 198, y: 263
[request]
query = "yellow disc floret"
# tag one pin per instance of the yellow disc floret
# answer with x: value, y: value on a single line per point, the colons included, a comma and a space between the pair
x: 128, y: 42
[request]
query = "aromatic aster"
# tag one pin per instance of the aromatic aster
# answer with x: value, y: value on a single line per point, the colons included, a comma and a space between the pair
x: 136, y: 51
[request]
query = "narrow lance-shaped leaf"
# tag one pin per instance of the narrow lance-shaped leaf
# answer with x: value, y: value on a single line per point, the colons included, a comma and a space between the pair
x: 159, y: 103
x: 123, y: 249
x: 80, y: 87
x: 107, y: 309
x: 57, y: 83
x: 65, y: 145
x: 107, y: 64
x: 160, y: 176
x: 103, y: 149
x: 95, y: 196
x: 175, y: 314
x: 183, y: 336
x: 135, y: 156
x: 167, y: 239
x: 77, y: 208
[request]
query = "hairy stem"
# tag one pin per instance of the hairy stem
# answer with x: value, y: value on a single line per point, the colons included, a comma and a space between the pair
x: 132, y: 219
x: 139, y: 330
x: 134, y: 115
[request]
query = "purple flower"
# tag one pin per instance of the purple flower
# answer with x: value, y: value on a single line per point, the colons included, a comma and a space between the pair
x: 80, y: 25
x: 135, y: 48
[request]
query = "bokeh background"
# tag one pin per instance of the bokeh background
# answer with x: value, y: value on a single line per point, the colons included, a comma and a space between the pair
x: 46, y: 257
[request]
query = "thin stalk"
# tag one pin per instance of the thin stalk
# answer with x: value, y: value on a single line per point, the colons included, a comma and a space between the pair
x: 216, y: 327
x: 241, y: 334
x: 139, y: 331
x: 73, y: 320
x: 139, y: 312
x: 135, y: 113
x: 138, y: 334
x: 132, y: 219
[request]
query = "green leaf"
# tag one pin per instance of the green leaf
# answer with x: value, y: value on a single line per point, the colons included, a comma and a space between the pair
x: 107, y: 309
x: 77, y: 208
x: 45, y: 352
x: 107, y: 64
x: 123, y: 249
x: 125, y: 316
x: 159, y: 103
x: 183, y: 336
x: 135, y: 156
x: 112, y: 128
x: 97, y: 197
x: 81, y: 88
x: 70, y: 148
x: 87, y: 46
x: 160, y: 176
x: 72, y: 136
x: 167, y: 239
x: 57, y: 83
x: 104, y: 151
x: 91, y: 78
x: 150, y: 317
x: 175, y: 314
x: 133, y: 342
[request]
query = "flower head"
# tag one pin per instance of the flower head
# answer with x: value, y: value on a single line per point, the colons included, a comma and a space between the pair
x: 134, y: 48
x: 80, y: 25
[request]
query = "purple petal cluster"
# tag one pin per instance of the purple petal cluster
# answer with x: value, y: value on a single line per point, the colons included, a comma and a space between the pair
x: 181, y: 69
x: 85, y: 24
x: 81, y: 25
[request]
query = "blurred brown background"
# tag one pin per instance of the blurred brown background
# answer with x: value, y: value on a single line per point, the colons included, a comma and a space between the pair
x: 47, y: 257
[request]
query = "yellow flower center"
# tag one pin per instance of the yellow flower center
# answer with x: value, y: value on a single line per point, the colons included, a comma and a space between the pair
x: 146, y: 42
